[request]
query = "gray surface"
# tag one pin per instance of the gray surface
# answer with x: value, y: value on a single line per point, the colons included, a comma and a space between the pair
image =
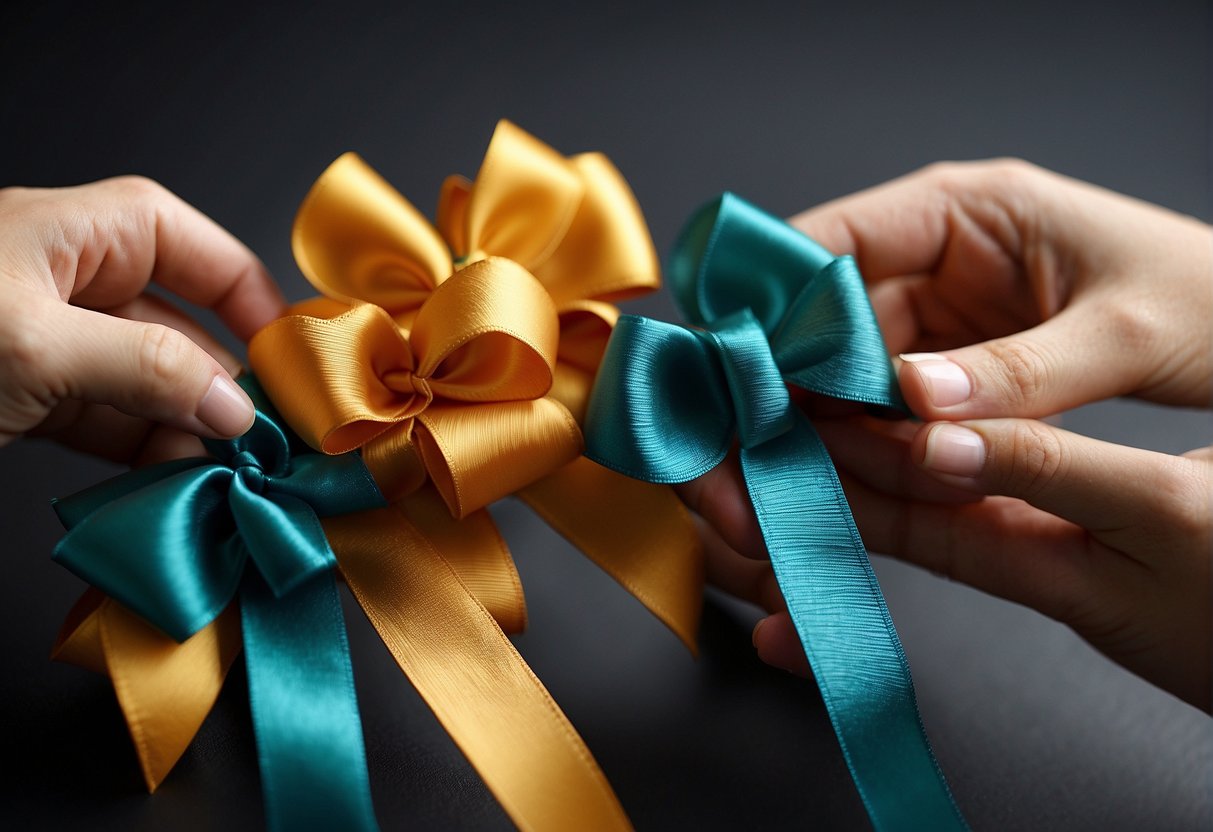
x: 789, y: 104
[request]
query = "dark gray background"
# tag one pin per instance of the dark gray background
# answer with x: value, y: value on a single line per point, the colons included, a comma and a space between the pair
x: 238, y: 107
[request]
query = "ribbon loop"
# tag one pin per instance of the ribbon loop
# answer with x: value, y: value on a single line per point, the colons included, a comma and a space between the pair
x: 778, y: 307
x: 198, y: 525
x: 660, y: 410
x: 760, y: 399
x: 356, y: 237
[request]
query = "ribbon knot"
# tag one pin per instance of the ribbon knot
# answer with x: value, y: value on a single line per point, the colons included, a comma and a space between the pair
x: 776, y: 307
x: 458, y: 398
x: 245, y: 459
x: 412, y: 385
x: 761, y: 404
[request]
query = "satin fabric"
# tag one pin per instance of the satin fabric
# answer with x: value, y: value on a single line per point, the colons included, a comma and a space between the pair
x: 176, y: 542
x: 574, y: 225
x: 440, y: 379
x: 775, y: 308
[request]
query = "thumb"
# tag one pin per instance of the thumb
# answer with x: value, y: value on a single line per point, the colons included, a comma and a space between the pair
x: 1068, y: 360
x: 1115, y: 492
x: 143, y: 369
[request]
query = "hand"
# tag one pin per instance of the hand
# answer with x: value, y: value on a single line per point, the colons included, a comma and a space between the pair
x: 87, y: 356
x: 1018, y: 294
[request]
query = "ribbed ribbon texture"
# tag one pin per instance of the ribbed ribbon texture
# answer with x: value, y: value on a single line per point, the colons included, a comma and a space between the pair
x: 771, y: 307
x: 177, y: 542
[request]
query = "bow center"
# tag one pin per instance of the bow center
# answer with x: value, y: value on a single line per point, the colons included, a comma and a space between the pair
x: 414, y: 387
x: 249, y: 470
x: 760, y: 397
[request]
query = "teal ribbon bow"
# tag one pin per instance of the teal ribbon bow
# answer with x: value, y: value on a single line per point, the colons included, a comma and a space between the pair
x: 176, y: 542
x: 775, y: 308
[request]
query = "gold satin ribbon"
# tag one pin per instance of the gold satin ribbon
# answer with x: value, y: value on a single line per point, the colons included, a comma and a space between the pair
x: 459, y: 355
x: 574, y: 224
x: 571, y: 222
x: 458, y: 397
x: 165, y: 689
x: 483, y: 693
x: 444, y: 638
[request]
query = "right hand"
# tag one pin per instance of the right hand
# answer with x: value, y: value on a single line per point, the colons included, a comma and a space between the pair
x: 1029, y: 294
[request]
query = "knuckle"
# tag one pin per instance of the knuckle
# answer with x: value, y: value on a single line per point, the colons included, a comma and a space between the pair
x: 9, y: 193
x: 1022, y: 370
x: 1130, y: 324
x: 137, y: 187
x: 25, y: 352
x: 1184, y: 490
x: 1002, y: 172
x: 164, y: 356
x: 1038, y: 458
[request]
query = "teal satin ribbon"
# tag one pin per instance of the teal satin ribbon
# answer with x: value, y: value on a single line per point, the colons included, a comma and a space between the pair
x: 176, y: 542
x: 776, y: 307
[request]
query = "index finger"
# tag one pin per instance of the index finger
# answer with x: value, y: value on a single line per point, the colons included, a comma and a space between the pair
x: 130, y: 231
x: 893, y: 229
x: 908, y: 226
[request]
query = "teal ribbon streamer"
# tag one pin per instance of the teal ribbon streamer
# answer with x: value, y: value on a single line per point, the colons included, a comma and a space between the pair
x: 176, y: 542
x: 775, y: 308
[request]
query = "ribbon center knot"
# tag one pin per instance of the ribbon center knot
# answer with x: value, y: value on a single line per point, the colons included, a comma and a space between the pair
x: 412, y: 385
x: 756, y: 387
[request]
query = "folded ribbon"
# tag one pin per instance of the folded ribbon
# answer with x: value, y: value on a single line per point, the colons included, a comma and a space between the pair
x: 777, y: 308
x: 572, y: 223
x: 460, y: 397
x: 176, y: 542
x: 462, y: 356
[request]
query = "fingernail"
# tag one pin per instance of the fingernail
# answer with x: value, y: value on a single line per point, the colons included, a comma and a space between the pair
x: 956, y: 450
x: 757, y: 627
x: 946, y: 382
x: 225, y: 408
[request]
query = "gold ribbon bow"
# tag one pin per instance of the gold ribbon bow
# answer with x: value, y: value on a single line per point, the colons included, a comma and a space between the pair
x: 575, y: 225
x: 459, y: 397
x: 432, y: 350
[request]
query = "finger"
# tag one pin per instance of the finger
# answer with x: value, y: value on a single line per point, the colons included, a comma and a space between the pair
x: 877, y: 452
x: 999, y: 545
x: 898, y: 228
x: 720, y: 497
x: 778, y: 644
x: 1117, y: 493
x: 143, y: 369
x: 156, y: 310
x: 164, y: 443
x: 750, y: 580
x: 1066, y: 361
x: 94, y: 429
x: 148, y: 233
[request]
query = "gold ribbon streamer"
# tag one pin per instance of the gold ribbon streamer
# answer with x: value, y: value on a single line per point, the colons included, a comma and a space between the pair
x: 476, y: 551
x: 483, y: 693
x: 165, y: 689
x: 620, y: 526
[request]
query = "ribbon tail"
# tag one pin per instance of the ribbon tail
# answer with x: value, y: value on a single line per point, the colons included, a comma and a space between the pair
x: 79, y: 639
x: 305, y: 710
x: 481, y: 690
x: 637, y: 532
x: 847, y: 633
x: 476, y: 551
x: 165, y: 689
